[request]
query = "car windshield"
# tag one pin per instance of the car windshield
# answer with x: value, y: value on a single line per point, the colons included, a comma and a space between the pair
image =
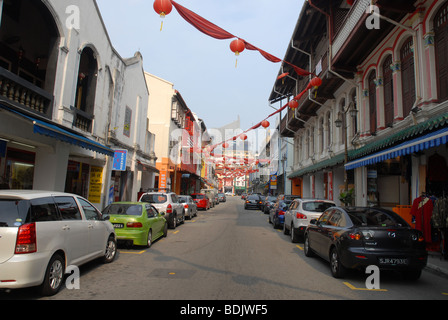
x: 271, y: 199
x: 370, y: 217
x: 198, y: 196
x: 123, y: 209
x: 317, y: 206
x: 183, y: 199
x: 154, y: 198
x: 14, y: 213
x: 253, y: 197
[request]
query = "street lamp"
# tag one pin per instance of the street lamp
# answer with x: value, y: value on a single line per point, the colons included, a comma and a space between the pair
x: 342, y: 123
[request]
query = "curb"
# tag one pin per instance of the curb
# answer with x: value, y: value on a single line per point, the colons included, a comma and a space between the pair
x: 436, y: 270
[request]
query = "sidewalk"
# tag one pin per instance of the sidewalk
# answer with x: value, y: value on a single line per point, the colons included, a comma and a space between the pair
x: 436, y: 264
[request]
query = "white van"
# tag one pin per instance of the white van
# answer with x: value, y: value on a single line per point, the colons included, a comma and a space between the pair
x: 42, y: 233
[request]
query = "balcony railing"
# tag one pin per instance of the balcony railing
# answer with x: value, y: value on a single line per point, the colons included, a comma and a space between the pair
x: 351, y: 20
x: 25, y: 95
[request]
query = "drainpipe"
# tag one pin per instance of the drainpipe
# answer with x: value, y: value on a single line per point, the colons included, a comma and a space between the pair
x: 286, y: 125
x: 309, y: 69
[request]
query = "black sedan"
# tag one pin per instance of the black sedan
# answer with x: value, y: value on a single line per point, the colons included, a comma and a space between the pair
x: 253, y: 201
x: 351, y: 238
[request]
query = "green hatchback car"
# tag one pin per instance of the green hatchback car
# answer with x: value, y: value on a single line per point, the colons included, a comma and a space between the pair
x: 136, y: 222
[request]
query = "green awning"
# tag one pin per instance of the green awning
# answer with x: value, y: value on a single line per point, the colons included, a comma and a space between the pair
x: 420, y: 129
x: 339, y: 159
x: 432, y: 124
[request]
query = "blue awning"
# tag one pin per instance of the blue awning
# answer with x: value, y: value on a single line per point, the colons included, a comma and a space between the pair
x: 53, y: 131
x: 427, y: 141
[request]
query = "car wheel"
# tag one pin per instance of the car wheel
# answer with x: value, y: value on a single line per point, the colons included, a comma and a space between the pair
x: 306, y: 247
x: 337, y: 269
x: 165, y: 230
x: 149, y: 239
x: 111, y: 250
x: 174, y: 223
x: 285, y: 229
x: 294, y: 235
x: 275, y: 223
x: 54, y: 276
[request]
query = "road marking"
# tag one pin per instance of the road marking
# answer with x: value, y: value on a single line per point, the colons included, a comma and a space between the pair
x: 130, y: 252
x: 362, y: 289
x: 175, y: 232
x: 445, y: 293
x: 299, y: 247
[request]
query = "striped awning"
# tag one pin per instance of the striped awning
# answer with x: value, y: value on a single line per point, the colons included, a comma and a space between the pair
x: 427, y: 141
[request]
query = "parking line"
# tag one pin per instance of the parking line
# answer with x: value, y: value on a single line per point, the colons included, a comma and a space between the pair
x: 130, y: 252
x: 362, y: 289
x: 445, y: 293
x: 177, y: 231
x: 299, y: 247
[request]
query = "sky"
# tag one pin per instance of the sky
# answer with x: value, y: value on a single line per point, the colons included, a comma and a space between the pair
x: 202, y: 68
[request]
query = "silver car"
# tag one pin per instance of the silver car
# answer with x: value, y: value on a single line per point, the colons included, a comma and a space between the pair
x: 190, y: 207
x: 167, y: 202
x: 43, y: 233
x: 300, y: 213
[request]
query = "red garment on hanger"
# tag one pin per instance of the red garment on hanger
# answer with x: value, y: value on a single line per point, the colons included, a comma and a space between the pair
x: 422, y: 211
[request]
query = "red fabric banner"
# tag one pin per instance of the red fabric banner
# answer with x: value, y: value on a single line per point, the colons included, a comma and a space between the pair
x: 202, y: 24
x: 216, y: 32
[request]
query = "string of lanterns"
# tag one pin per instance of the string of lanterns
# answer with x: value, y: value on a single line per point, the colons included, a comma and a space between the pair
x: 237, y: 46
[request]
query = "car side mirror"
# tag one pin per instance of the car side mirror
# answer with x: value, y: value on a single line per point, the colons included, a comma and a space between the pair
x: 105, y: 217
x: 313, y: 222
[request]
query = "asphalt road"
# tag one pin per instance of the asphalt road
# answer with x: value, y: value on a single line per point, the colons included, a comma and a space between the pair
x: 228, y: 253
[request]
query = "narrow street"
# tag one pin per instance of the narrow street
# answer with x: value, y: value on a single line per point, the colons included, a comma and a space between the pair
x: 228, y: 253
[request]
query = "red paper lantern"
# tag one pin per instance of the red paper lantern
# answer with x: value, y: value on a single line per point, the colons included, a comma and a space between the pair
x: 163, y: 7
x: 225, y: 145
x: 316, y: 82
x: 265, y: 123
x: 293, y: 104
x: 243, y: 137
x: 237, y: 46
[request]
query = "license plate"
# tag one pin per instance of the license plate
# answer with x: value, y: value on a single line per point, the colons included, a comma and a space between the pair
x: 393, y: 261
x: 118, y: 225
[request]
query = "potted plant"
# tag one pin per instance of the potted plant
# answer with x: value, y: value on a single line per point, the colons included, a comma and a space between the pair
x: 347, y: 197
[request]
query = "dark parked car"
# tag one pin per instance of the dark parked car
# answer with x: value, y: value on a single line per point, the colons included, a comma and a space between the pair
x: 277, y: 213
x: 253, y: 201
x: 268, y: 204
x: 359, y: 237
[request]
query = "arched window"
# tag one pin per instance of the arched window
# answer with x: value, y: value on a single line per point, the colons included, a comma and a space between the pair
x: 29, y: 48
x: 441, y: 51
x: 86, y: 90
x: 372, y: 101
x: 354, y: 118
x: 407, y: 75
x: 321, y: 135
x: 329, y: 130
x: 388, y: 92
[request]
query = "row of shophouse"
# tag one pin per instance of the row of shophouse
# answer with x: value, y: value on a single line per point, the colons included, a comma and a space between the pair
x: 378, y: 124
x: 77, y: 117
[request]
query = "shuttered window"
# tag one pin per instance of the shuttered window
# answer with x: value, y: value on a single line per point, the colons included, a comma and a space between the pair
x: 388, y: 92
x: 441, y: 48
x: 408, y: 75
x: 372, y: 101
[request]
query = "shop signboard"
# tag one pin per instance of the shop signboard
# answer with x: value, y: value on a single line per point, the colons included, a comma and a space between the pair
x: 120, y: 160
x: 96, y: 179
